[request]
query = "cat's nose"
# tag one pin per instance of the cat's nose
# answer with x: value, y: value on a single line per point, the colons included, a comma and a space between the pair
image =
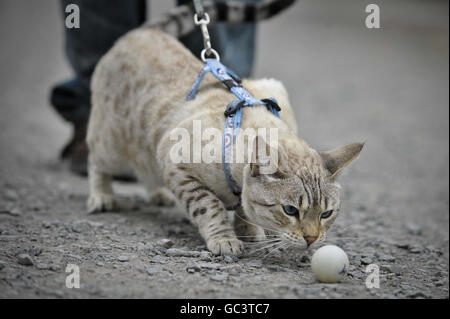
x: 310, y: 239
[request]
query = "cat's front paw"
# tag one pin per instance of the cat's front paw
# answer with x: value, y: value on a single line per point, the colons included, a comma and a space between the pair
x: 225, y: 246
x: 100, y: 203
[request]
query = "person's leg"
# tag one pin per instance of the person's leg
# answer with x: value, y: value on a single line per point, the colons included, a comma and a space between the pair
x: 235, y: 43
x: 101, y: 23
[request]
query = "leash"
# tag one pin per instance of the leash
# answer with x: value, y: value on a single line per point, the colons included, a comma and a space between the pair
x: 233, y: 111
x: 201, y: 18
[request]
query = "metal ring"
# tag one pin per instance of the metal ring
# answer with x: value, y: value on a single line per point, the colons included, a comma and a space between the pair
x: 213, y: 52
x: 204, y: 20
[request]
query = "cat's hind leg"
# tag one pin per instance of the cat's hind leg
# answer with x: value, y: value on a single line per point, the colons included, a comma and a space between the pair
x: 101, y: 196
x: 157, y: 195
x: 161, y: 196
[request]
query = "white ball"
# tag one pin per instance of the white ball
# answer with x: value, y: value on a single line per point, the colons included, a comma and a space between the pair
x: 329, y: 264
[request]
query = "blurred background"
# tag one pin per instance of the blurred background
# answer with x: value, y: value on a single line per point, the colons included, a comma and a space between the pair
x: 387, y: 87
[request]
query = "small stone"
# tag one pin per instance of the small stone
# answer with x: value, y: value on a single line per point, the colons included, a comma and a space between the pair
x: 366, y: 261
x: 152, y: 271
x: 228, y: 259
x: 275, y: 268
x: 387, y: 258
x: 362, y: 208
x: 25, y: 259
x: 46, y: 224
x: 256, y: 263
x: 175, y: 252
x: 159, y: 259
x: 233, y: 271
x: 100, y: 264
x: 11, y: 195
x: 34, y: 251
x: 415, y: 250
x: 79, y: 258
x: 123, y: 258
x: 387, y: 268
x: 403, y: 245
x: 219, y: 277
x: 205, y: 256
x: 94, y: 224
x: 157, y: 250
x: 418, y: 294
x: 2, y: 265
x: 55, y: 268
x: 166, y: 243
x: 79, y: 227
x: 42, y: 266
x: 414, y: 229
x: 12, y: 212
x: 9, y: 238
x: 191, y: 268
x: 210, y: 266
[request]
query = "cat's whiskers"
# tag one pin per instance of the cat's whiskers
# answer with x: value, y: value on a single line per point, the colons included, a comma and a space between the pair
x: 270, y: 245
x: 257, y: 236
x: 265, y: 228
x: 258, y: 244
x: 281, y: 245
x: 297, y: 243
x: 269, y: 240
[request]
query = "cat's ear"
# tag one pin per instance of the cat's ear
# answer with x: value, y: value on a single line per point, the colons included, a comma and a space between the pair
x: 338, y: 158
x: 264, y: 159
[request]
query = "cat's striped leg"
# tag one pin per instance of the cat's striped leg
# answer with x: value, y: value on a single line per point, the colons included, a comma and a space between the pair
x: 101, y: 197
x: 206, y: 211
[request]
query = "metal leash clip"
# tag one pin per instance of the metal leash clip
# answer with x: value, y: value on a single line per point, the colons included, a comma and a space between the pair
x: 208, y: 50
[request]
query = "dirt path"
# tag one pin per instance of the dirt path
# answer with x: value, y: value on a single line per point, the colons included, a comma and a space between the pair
x: 388, y: 87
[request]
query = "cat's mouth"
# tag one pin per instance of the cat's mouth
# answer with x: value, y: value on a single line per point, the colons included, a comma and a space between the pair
x: 294, y: 240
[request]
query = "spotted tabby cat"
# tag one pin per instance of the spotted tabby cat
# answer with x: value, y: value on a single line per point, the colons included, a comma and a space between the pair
x: 138, y: 99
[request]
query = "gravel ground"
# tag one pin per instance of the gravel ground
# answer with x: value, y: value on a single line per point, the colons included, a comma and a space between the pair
x: 388, y: 87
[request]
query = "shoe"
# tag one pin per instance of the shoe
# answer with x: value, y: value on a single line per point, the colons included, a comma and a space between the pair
x: 76, y: 154
x: 76, y: 151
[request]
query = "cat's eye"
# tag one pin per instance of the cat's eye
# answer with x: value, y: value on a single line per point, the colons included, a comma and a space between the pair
x: 326, y: 214
x: 290, y: 210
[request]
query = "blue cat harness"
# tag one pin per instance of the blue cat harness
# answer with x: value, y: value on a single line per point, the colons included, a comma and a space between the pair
x: 233, y: 111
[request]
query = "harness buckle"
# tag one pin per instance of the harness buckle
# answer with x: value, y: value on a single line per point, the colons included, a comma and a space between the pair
x: 271, y: 102
x: 231, y: 83
x: 233, y: 106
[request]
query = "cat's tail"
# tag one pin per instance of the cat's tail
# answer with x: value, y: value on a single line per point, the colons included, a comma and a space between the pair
x: 180, y: 21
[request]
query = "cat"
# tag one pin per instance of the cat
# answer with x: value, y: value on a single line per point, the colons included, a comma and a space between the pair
x: 138, y: 100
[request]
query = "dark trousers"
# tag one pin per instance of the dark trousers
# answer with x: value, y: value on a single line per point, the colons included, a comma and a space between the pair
x: 102, y: 22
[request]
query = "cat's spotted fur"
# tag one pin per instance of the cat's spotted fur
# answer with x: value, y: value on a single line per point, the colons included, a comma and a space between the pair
x: 138, y: 93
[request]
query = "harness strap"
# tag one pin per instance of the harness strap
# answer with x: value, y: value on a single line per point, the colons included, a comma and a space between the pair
x: 233, y: 112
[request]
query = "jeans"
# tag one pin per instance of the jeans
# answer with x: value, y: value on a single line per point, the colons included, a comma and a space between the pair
x: 102, y: 22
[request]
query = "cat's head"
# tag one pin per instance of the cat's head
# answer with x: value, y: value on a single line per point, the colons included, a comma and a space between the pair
x: 299, y: 199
